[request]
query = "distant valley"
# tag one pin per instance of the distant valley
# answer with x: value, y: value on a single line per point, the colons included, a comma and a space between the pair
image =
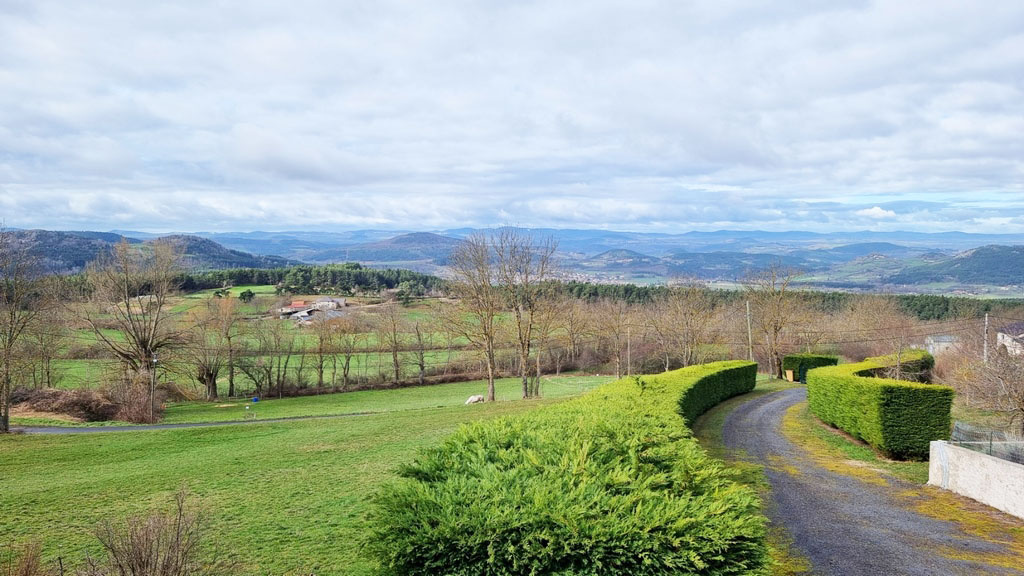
x: 952, y: 262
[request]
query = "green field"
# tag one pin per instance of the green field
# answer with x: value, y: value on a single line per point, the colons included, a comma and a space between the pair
x: 412, y: 398
x: 281, y: 498
x: 362, y: 401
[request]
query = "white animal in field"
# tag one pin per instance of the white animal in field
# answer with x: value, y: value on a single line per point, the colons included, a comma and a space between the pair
x: 474, y: 400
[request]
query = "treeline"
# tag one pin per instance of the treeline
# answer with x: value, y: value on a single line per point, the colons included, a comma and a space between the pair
x: 343, y: 279
x: 921, y: 306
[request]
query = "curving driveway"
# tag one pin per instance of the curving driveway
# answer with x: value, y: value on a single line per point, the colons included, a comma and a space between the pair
x: 844, y: 526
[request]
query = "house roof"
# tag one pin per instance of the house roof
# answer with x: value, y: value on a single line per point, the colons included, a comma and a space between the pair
x: 1015, y: 329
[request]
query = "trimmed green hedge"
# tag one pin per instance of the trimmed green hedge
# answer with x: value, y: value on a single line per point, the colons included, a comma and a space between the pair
x: 801, y: 363
x: 897, y: 417
x: 609, y: 483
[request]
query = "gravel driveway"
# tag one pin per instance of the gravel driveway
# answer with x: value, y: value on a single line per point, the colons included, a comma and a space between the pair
x: 844, y: 526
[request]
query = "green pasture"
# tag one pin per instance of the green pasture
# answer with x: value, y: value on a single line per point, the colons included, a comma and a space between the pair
x: 411, y: 398
x: 280, y: 498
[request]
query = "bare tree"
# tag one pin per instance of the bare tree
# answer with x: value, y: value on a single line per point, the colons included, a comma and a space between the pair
x: 546, y: 325
x: 612, y: 319
x: 227, y: 323
x: 265, y: 362
x: 774, y: 309
x: 390, y: 335
x: 131, y: 290
x: 206, y: 349
x: 46, y: 336
x: 423, y: 341
x: 325, y: 330
x: 20, y: 289
x: 351, y: 337
x: 997, y: 386
x: 577, y: 322
x: 480, y: 301
x: 522, y: 265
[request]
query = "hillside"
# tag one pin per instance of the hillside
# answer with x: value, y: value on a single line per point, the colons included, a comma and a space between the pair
x: 66, y: 252
x: 203, y: 254
x: 423, y: 247
x: 989, y: 265
x: 71, y: 252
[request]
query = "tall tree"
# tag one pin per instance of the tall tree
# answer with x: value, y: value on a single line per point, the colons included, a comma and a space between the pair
x: 522, y: 264
x: 479, y: 301
x: 613, y: 321
x: 227, y: 322
x: 391, y: 335
x: 20, y: 290
x: 325, y: 330
x: 205, y: 351
x: 774, y: 309
x: 691, y: 309
x: 131, y: 290
x: 351, y: 337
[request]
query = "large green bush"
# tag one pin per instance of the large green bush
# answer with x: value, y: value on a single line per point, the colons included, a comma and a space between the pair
x: 609, y: 483
x: 801, y: 363
x: 897, y: 417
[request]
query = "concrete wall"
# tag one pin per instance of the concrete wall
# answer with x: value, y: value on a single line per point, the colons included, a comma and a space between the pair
x: 987, y: 479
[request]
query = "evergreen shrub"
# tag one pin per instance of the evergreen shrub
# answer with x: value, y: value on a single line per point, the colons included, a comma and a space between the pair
x: 609, y: 483
x: 897, y: 417
x: 801, y: 363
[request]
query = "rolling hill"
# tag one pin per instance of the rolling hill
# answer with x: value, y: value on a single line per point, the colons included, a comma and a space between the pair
x: 987, y: 265
x: 71, y: 252
x: 419, y: 251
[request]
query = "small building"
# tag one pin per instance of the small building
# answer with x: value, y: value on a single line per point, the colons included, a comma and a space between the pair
x: 293, y: 307
x: 1010, y: 339
x: 308, y: 316
x: 325, y: 303
x: 940, y: 343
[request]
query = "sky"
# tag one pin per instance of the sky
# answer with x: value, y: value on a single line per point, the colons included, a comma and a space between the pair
x: 642, y: 115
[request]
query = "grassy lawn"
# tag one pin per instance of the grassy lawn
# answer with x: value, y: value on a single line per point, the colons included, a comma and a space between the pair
x: 412, y: 398
x: 363, y: 401
x: 281, y: 498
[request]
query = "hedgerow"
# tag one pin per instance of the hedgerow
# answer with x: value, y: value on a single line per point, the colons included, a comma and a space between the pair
x: 897, y: 417
x: 801, y: 363
x: 609, y: 483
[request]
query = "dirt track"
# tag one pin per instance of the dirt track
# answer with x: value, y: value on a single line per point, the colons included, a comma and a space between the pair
x: 844, y: 526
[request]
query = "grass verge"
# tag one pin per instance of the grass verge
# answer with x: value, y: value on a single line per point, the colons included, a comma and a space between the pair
x: 281, y: 498
x: 359, y: 402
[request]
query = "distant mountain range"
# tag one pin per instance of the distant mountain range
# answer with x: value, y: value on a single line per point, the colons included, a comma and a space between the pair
x: 869, y: 261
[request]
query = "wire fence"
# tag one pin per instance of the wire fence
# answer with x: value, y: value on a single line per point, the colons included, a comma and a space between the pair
x: 992, y: 442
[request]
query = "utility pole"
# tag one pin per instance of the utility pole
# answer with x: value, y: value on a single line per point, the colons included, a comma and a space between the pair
x: 629, y: 353
x: 152, y: 392
x: 750, y: 335
x: 985, y: 346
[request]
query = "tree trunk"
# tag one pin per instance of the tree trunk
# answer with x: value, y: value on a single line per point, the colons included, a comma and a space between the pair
x: 211, y: 386
x: 231, y: 368
x: 5, y: 395
x: 536, y: 382
x: 490, y: 375
x: 524, y: 372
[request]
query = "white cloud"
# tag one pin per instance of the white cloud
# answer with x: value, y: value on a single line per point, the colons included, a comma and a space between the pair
x: 407, y: 115
x: 876, y: 212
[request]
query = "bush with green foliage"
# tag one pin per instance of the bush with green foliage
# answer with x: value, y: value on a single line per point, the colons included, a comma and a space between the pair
x: 801, y: 363
x: 898, y: 417
x: 609, y: 483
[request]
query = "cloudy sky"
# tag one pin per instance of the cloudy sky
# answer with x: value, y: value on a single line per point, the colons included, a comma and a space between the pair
x: 643, y: 115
